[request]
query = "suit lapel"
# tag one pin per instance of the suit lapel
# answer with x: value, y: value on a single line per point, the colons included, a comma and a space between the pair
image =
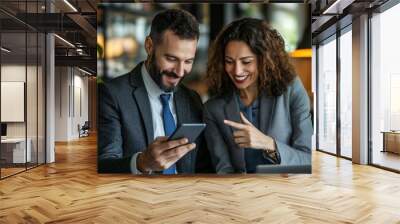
x: 267, y: 104
x: 181, y: 107
x: 183, y: 116
x: 267, y: 108
x: 232, y: 113
x: 142, y: 99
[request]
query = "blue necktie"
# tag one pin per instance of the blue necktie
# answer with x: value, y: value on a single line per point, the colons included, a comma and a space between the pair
x: 169, y: 125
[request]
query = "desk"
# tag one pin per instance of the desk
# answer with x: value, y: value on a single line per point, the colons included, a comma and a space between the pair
x: 391, y: 141
x: 15, y: 148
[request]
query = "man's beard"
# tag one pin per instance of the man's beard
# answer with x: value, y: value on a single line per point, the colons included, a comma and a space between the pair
x: 156, y: 74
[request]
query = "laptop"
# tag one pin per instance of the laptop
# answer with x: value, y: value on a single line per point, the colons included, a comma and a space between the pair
x: 284, y: 169
x: 3, y: 131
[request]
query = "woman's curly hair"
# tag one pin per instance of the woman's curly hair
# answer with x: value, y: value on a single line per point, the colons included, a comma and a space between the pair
x: 275, y: 71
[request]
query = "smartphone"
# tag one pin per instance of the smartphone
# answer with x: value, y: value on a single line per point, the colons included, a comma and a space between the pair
x: 189, y: 131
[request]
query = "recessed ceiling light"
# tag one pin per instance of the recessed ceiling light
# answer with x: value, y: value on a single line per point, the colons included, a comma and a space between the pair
x: 64, y: 40
x: 5, y: 49
x: 337, y: 7
x: 70, y: 5
x: 86, y: 72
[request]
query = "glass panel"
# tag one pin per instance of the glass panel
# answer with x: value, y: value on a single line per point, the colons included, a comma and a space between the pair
x: 77, y: 109
x: 346, y: 94
x: 41, y: 99
x: 32, y: 87
x: 31, y: 98
x: 13, y: 88
x: 327, y: 97
x: 22, y: 63
x: 385, y: 84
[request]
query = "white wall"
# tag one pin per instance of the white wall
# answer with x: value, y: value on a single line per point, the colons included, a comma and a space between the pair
x: 17, y: 73
x: 71, y: 94
x: 13, y: 72
x: 62, y: 81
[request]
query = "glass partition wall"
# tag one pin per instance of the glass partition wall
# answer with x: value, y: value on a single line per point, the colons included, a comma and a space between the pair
x: 385, y: 89
x: 22, y: 87
x: 334, y: 94
x: 345, y: 62
x: 326, y: 102
x: 13, y: 109
x: 334, y: 90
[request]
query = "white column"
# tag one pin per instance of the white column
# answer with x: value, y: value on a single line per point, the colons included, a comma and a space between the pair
x: 50, y: 99
x: 50, y: 93
x: 360, y: 90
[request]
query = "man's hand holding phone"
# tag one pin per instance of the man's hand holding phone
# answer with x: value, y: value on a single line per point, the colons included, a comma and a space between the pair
x: 162, y: 153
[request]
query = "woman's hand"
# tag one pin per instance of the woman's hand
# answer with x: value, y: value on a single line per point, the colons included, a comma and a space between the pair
x: 248, y: 136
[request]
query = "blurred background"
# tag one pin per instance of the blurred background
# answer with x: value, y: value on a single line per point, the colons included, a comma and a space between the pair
x: 123, y: 27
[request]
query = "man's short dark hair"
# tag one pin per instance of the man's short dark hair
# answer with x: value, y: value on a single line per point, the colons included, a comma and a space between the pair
x: 179, y: 21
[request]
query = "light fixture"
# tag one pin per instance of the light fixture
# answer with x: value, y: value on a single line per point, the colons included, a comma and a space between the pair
x: 65, y: 41
x: 5, y: 49
x: 80, y: 51
x: 337, y: 7
x: 86, y: 72
x: 70, y: 5
x: 301, y: 53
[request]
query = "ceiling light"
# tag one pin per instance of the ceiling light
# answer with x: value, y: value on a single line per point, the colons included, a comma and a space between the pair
x: 65, y: 41
x: 337, y: 7
x: 70, y: 5
x: 86, y: 72
x: 79, y: 51
x: 5, y: 49
x: 331, y: 7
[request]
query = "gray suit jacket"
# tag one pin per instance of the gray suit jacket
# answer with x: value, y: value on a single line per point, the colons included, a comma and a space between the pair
x: 286, y: 118
x: 126, y: 127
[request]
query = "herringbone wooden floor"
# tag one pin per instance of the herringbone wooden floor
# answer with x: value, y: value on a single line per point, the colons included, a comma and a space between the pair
x: 70, y: 191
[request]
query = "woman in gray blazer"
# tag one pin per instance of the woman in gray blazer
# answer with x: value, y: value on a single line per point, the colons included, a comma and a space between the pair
x: 261, y: 112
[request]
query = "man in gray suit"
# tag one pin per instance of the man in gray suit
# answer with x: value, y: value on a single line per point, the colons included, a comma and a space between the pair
x: 137, y: 111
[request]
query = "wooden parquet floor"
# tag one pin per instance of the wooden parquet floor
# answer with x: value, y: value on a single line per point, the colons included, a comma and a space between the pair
x: 70, y: 191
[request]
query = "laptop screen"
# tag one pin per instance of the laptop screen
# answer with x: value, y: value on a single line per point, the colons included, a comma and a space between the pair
x: 3, y: 129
